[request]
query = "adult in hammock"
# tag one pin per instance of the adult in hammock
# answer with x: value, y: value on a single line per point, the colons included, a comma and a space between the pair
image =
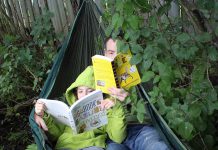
x: 89, y: 140
x: 139, y: 137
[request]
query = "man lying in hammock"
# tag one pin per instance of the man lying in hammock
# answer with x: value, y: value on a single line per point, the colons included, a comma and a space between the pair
x: 139, y: 137
x: 89, y: 140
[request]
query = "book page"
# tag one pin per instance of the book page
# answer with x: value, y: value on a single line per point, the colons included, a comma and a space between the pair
x: 57, y: 109
x: 127, y: 74
x: 87, y: 112
x: 104, y: 73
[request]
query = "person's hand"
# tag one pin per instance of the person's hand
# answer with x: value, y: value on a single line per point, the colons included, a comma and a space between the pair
x: 118, y: 93
x: 107, y: 103
x: 40, y: 122
x: 39, y: 112
x: 39, y: 108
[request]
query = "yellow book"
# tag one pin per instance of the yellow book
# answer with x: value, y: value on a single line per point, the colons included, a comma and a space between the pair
x: 114, y: 73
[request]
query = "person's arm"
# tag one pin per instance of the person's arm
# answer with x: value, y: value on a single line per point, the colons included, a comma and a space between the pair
x: 46, y: 122
x: 116, y: 127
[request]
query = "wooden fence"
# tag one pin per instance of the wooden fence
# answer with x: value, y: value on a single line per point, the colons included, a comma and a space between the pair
x: 18, y: 15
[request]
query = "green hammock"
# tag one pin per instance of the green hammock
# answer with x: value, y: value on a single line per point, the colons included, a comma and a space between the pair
x: 73, y: 57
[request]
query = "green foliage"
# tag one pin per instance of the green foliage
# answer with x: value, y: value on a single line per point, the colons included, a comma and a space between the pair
x: 31, y: 147
x: 24, y: 66
x: 180, y: 61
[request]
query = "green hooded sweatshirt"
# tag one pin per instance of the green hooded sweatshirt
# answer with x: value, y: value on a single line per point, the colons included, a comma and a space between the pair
x: 66, y: 139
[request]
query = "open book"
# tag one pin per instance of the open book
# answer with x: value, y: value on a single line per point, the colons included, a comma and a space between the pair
x: 114, y: 73
x: 85, y: 114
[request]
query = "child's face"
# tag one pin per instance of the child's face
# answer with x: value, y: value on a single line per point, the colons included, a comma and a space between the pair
x: 111, y: 49
x: 83, y: 91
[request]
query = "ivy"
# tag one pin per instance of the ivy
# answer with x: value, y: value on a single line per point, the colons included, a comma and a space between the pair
x: 178, y: 56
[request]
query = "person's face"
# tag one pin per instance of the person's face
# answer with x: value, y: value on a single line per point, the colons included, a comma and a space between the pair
x: 111, y: 49
x: 83, y: 91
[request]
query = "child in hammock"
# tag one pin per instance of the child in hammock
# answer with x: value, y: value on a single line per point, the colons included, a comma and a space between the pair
x: 89, y: 140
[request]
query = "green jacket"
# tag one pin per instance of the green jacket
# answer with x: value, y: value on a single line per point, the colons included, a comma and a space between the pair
x: 115, y: 129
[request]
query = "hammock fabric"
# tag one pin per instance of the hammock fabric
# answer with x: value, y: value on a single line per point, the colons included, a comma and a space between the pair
x: 74, y: 56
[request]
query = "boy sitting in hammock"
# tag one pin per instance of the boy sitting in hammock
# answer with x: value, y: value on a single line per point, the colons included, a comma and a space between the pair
x: 139, y: 137
x: 89, y: 140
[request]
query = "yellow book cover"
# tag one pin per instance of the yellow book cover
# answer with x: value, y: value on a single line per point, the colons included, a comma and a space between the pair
x: 114, y: 73
x: 127, y: 74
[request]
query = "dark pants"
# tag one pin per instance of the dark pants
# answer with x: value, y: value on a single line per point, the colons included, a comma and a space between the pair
x: 140, y: 137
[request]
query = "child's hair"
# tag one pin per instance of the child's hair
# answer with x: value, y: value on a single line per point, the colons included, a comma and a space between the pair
x: 119, y: 35
x: 75, y: 92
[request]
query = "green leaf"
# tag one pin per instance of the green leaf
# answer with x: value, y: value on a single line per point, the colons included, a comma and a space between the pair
x: 148, y: 75
x: 133, y: 21
x: 204, y: 37
x: 213, y: 53
x: 145, y: 32
x: 198, y: 72
x: 164, y: 9
x: 162, y: 106
x: 194, y: 110
x: 128, y: 8
x: 162, y: 42
x: 140, y: 107
x: 153, y: 22
x: 183, y: 38
x: 140, y: 117
x: 119, y: 6
x: 209, y: 140
x: 109, y: 30
x: 185, y: 130
x: 148, y: 52
x: 136, y: 59
x: 117, y: 20
x: 122, y: 47
x: 199, y: 123
x: 156, y: 79
x: 136, y: 48
x: 146, y: 64
x: 165, y: 72
x: 31, y: 147
x: 144, y: 5
x: 216, y: 31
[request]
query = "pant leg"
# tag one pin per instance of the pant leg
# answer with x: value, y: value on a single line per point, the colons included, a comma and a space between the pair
x: 92, y: 148
x: 111, y: 145
x: 116, y: 146
x: 140, y: 137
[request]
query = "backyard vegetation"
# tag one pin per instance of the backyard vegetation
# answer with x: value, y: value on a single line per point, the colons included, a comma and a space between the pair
x: 177, y: 57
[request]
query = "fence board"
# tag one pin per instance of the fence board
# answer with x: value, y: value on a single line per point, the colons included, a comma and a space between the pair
x: 63, y: 17
x: 42, y: 6
x: 19, y: 16
x: 24, y: 14
x: 36, y: 10
x: 69, y: 11
x: 30, y: 11
x: 52, y: 4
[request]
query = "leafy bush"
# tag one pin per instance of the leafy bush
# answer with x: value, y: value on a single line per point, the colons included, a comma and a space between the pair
x: 178, y: 56
x: 24, y: 65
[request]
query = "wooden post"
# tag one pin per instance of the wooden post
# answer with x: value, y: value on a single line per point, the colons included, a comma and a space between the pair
x: 52, y: 5
x: 62, y: 16
x: 24, y: 13
x: 19, y: 16
x: 36, y: 10
x: 70, y: 14
x: 42, y: 6
x: 30, y: 11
